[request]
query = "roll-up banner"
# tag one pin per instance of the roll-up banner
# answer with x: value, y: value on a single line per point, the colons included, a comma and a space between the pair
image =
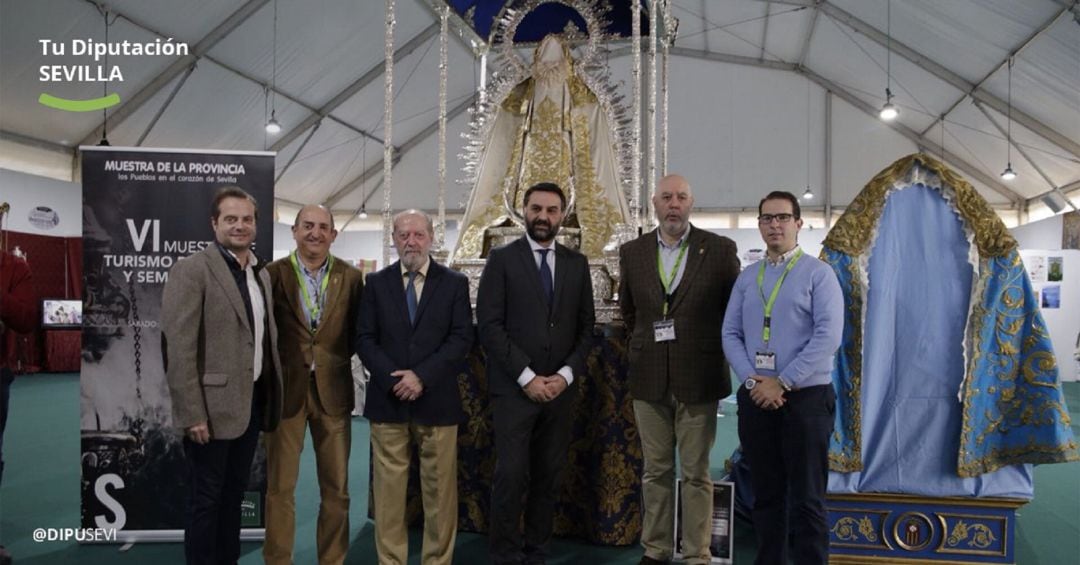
x: 144, y: 209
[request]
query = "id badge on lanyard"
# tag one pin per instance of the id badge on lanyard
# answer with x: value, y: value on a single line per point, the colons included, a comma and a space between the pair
x: 765, y: 361
x: 664, y: 330
x: 313, y: 306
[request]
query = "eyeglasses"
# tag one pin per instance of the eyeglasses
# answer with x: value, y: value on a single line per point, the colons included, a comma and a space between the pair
x: 766, y: 219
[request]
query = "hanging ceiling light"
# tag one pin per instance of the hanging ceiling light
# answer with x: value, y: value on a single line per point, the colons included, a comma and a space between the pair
x: 889, y: 111
x: 808, y: 194
x: 362, y: 212
x: 273, y: 127
x: 1008, y: 173
x: 105, y: 116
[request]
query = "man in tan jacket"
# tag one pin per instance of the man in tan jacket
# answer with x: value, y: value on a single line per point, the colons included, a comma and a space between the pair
x: 223, y: 372
x: 316, y: 296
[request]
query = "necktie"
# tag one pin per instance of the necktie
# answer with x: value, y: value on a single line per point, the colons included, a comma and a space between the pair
x: 410, y: 297
x: 545, y: 277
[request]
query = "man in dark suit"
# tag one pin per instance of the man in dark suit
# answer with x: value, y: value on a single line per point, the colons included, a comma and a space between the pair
x: 415, y: 331
x: 316, y: 297
x: 223, y: 371
x: 673, y: 289
x: 535, y: 311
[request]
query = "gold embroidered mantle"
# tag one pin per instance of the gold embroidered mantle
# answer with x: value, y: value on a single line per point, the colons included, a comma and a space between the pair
x: 1013, y: 410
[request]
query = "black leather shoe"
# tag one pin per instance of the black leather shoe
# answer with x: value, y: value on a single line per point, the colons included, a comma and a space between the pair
x: 646, y: 560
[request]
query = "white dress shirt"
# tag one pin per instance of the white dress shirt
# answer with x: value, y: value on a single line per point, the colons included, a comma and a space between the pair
x: 258, y: 310
x: 528, y: 374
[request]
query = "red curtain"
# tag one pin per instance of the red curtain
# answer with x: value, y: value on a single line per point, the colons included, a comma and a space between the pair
x: 56, y: 268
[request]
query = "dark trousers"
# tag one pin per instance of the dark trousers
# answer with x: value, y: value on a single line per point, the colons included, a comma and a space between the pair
x: 788, y: 454
x: 531, y: 442
x: 218, y: 474
x: 6, y: 378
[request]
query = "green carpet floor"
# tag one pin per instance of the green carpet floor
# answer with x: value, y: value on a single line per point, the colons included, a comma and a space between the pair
x: 41, y: 489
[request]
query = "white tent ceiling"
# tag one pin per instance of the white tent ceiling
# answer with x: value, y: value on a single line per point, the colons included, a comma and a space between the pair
x: 764, y: 95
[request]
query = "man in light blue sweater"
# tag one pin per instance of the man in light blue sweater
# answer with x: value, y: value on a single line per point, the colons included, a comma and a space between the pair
x: 783, y: 324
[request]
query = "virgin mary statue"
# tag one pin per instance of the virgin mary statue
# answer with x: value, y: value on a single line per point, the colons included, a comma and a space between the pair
x: 550, y: 127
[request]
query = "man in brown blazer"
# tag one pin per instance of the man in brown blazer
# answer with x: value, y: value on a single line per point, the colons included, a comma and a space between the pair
x: 223, y: 371
x: 673, y: 290
x: 316, y: 296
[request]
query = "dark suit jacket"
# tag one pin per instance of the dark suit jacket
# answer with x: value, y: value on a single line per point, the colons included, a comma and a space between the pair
x: 692, y: 367
x: 434, y: 348
x: 329, y: 346
x: 516, y: 328
x: 210, y: 348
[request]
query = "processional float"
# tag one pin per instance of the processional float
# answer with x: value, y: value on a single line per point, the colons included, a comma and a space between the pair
x: 555, y: 117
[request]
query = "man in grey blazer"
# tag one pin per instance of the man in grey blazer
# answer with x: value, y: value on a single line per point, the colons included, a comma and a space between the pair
x: 535, y: 312
x: 673, y: 290
x: 223, y: 371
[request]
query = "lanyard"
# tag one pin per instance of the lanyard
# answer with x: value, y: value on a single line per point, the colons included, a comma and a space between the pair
x: 666, y: 279
x: 321, y: 296
x: 766, y: 330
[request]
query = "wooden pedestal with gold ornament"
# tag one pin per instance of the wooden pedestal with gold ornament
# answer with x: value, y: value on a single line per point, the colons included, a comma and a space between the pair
x: 904, y: 529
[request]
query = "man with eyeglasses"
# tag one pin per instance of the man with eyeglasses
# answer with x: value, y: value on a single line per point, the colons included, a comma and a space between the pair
x: 673, y: 290
x: 783, y: 324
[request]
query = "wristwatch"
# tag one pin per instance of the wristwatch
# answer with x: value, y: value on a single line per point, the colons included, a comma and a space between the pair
x: 750, y: 383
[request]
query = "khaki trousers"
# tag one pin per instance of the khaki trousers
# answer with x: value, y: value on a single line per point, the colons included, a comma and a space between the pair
x: 691, y: 428
x: 332, y: 438
x: 392, y: 451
